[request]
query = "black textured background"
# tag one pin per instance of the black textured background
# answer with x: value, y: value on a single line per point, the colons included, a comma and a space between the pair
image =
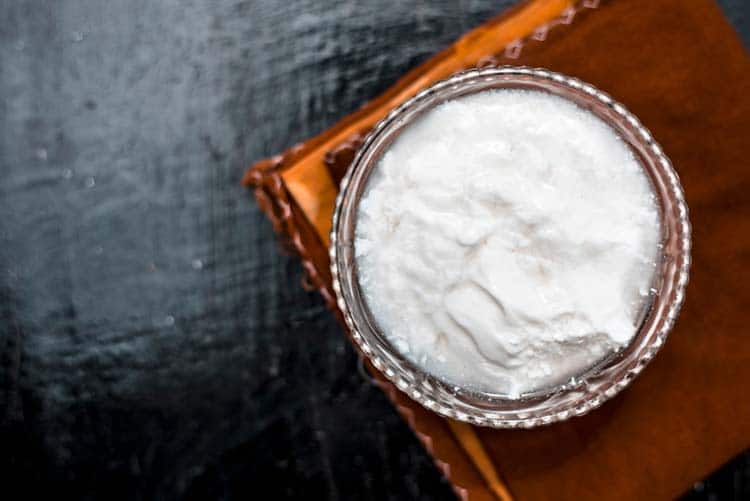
x: 154, y: 343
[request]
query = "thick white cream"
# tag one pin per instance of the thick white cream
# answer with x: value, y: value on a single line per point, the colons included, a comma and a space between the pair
x: 506, y: 241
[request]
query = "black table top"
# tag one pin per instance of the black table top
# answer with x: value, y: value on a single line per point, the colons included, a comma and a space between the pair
x: 154, y: 342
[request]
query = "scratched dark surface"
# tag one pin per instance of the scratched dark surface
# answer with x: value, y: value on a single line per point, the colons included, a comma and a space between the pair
x: 154, y: 342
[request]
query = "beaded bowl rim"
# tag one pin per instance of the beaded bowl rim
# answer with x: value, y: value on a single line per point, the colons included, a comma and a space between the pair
x: 452, y: 402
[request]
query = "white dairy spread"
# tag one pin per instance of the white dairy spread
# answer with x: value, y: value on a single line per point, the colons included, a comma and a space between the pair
x: 506, y: 241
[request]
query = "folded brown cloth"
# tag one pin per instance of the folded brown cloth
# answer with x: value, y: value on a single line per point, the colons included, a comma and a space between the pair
x: 681, y: 68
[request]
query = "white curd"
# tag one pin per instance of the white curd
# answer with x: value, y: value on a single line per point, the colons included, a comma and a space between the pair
x: 506, y: 241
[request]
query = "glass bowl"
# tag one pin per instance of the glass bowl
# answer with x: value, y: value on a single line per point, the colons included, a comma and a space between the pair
x: 587, y: 390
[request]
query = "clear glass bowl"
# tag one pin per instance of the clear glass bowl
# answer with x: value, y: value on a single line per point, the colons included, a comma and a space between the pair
x: 585, y: 391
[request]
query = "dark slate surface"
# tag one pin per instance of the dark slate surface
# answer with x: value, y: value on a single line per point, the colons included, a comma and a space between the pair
x: 154, y: 344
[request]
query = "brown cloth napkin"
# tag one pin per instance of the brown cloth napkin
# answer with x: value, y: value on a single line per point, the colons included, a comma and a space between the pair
x: 680, y: 67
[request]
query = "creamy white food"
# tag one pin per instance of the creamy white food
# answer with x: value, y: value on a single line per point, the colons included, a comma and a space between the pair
x: 506, y: 241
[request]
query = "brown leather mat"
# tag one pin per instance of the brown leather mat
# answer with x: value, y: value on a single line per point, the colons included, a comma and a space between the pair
x: 680, y: 67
